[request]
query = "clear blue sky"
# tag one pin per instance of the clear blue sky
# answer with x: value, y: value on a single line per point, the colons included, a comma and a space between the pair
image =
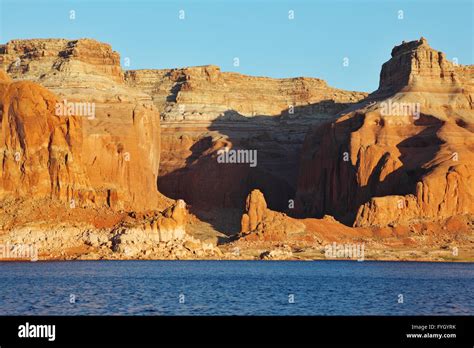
x: 258, y: 32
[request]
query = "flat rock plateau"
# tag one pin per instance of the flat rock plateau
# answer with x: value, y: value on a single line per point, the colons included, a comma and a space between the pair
x: 101, y: 163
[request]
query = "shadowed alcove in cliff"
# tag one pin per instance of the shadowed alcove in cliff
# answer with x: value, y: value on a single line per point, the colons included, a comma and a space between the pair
x: 216, y: 192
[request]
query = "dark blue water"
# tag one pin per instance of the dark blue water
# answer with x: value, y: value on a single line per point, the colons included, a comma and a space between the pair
x: 236, y: 288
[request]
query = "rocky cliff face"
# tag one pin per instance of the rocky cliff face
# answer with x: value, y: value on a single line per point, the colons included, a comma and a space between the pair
x: 78, y: 132
x: 50, y: 60
x: 51, y: 201
x: 119, y: 133
x: 415, y: 66
x: 205, y: 93
x: 203, y: 110
x: 406, y: 154
x: 41, y: 153
x: 83, y: 152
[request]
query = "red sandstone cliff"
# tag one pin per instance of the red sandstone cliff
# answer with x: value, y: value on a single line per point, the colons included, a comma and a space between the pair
x: 363, y: 160
x: 119, y: 144
x: 204, y: 109
x: 376, y: 165
x: 41, y: 153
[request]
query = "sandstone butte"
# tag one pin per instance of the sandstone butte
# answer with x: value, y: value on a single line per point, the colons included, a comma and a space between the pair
x: 333, y: 165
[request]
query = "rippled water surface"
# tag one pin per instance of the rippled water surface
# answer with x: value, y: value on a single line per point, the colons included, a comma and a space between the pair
x: 236, y: 288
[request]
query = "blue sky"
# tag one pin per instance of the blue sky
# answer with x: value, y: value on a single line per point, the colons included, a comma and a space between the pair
x: 258, y: 32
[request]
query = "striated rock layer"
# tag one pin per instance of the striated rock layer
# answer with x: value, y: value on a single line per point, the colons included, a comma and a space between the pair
x: 86, y: 143
x: 205, y: 93
x: 52, y: 60
x: 415, y: 66
x: 117, y: 129
x: 397, y: 164
x: 45, y: 155
x: 204, y: 110
x: 405, y: 154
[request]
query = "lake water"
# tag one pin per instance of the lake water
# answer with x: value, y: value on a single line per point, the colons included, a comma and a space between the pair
x: 236, y: 288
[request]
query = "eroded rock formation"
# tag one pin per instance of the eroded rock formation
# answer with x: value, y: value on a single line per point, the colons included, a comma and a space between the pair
x: 41, y: 153
x: 118, y: 132
x: 405, y: 154
x: 206, y: 93
x: 259, y: 222
x: 396, y: 164
x: 415, y: 66
x: 56, y: 154
x: 204, y: 110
